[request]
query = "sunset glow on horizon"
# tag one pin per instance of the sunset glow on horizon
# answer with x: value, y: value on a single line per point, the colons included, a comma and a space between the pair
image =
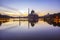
x: 41, y: 7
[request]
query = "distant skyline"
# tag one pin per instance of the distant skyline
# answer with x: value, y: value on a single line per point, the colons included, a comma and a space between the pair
x: 37, y: 5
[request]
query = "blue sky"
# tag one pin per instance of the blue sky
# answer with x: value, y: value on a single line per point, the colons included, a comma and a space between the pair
x: 37, y: 5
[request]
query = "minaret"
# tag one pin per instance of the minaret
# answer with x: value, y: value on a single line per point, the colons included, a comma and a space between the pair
x: 28, y: 18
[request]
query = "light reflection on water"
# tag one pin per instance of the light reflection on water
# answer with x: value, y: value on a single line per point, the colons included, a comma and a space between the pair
x: 20, y: 29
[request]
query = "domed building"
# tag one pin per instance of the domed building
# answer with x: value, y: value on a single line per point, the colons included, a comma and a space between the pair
x: 33, y: 16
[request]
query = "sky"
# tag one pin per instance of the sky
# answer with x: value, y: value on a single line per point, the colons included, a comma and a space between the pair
x: 37, y: 5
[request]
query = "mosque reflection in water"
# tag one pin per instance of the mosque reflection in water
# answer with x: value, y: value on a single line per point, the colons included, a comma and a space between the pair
x: 54, y: 21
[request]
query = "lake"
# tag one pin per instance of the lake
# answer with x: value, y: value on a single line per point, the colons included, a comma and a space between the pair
x: 44, y: 29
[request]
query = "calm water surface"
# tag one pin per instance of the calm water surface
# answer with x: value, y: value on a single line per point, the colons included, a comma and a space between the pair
x: 24, y: 30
